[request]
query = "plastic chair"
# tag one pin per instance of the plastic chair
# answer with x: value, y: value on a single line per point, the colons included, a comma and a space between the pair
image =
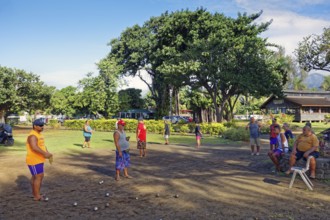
x: 302, y: 172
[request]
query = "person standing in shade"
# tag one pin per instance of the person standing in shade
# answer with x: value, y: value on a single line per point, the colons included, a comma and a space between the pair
x: 141, y: 137
x: 166, y: 131
x: 36, y: 156
x: 87, y: 132
x: 123, y: 160
x: 254, y: 127
x: 198, y: 133
x: 273, y: 135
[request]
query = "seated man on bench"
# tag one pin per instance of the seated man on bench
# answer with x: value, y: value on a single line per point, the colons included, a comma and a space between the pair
x: 305, y: 145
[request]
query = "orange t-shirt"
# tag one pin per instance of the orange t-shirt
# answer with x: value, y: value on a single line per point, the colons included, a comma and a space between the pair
x: 32, y: 157
x: 307, y: 142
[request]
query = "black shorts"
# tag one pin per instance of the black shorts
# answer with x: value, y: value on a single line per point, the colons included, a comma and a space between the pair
x: 87, y: 139
x: 300, y: 154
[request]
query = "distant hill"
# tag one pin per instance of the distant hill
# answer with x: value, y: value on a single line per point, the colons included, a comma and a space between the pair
x: 314, y: 80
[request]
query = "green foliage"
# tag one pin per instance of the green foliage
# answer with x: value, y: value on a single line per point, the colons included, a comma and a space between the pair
x: 21, y: 91
x: 326, y: 83
x: 236, y: 134
x: 130, y: 99
x: 53, y: 123
x: 64, y: 101
x: 153, y: 126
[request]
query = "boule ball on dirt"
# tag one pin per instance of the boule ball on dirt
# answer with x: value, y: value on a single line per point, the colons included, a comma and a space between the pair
x: 46, y: 199
x: 107, y: 194
x: 96, y: 208
x: 137, y: 198
x: 157, y: 195
x: 176, y: 196
x: 101, y: 182
x: 75, y: 204
x: 107, y: 204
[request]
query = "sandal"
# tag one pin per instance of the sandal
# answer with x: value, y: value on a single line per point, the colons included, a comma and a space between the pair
x: 128, y: 177
x: 38, y: 200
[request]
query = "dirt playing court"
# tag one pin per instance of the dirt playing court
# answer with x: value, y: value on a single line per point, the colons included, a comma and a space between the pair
x: 215, y: 182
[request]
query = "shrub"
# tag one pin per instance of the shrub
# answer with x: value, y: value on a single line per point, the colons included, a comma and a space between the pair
x: 54, y: 123
x: 236, y: 134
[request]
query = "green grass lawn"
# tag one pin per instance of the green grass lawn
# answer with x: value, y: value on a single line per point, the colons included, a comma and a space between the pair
x: 69, y: 141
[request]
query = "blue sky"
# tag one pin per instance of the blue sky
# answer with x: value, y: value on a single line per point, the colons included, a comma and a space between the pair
x: 61, y: 40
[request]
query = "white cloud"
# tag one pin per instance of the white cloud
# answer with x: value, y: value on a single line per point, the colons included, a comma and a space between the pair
x: 288, y: 27
x: 136, y: 82
x: 67, y: 77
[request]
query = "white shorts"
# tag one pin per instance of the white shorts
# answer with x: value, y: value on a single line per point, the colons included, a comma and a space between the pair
x: 166, y: 136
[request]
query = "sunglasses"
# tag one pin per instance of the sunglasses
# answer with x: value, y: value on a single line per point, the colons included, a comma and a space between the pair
x: 40, y: 126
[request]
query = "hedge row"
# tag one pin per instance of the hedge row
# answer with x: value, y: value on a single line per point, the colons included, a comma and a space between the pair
x: 152, y: 126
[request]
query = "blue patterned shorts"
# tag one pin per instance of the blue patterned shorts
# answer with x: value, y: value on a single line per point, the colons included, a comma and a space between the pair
x: 124, y: 161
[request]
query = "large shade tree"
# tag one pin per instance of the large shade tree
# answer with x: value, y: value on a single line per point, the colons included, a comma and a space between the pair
x: 22, y: 91
x: 224, y: 55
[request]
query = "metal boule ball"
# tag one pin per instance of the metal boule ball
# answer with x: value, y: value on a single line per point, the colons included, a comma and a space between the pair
x: 101, y: 182
x: 176, y: 196
x: 137, y: 198
x: 46, y: 199
x: 95, y: 208
x: 75, y: 204
x: 157, y: 195
x: 107, y: 205
x: 107, y: 194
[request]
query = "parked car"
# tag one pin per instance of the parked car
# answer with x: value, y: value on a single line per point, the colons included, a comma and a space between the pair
x: 175, y: 119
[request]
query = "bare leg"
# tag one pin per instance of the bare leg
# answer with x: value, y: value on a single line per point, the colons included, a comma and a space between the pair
x: 258, y: 149
x: 84, y: 144
x: 140, y: 152
x: 32, y: 185
x: 291, y: 163
x: 144, y: 152
x: 252, y: 149
x: 89, y: 144
x: 198, y: 143
x: 117, y: 175
x: 313, y: 167
x: 37, y: 179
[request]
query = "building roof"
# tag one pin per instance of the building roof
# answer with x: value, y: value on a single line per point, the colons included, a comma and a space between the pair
x: 305, y: 93
x: 303, y: 101
x: 309, y: 101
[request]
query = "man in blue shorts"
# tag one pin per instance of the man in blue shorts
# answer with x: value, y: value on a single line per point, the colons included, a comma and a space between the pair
x: 36, y: 156
x: 306, y: 145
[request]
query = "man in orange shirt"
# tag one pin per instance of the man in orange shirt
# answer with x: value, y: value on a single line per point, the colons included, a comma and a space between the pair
x: 35, y: 157
x: 306, y: 145
x: 141, y: 137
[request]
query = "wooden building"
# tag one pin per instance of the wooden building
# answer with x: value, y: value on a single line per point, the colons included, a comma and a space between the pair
x: 304, y: 105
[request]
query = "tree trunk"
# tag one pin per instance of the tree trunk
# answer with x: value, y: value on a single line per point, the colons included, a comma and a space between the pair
x: 2, y: 116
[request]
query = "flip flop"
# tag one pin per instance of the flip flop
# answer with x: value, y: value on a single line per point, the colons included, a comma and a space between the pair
x: 38, y: 200
x: 128, y: 177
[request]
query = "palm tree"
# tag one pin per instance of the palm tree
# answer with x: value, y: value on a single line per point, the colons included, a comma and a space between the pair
x: 298, y: 84
x: 326, y: 83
